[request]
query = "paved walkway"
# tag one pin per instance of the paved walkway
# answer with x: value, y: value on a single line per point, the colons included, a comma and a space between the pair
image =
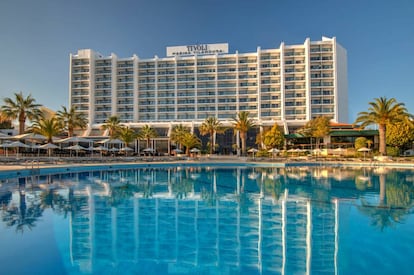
x: 31, y: 163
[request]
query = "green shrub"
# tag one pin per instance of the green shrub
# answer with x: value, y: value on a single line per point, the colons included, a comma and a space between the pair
x: 393, y: 151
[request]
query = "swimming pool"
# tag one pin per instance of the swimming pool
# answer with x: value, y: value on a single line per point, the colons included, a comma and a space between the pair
x: 209, y: 220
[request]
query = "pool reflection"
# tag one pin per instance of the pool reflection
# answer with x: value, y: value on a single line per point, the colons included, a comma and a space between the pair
x: 207, y: 220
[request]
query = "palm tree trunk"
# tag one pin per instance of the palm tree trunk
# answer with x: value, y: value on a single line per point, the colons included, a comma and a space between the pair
x: 382, y: 139
x: 243, y: 140
x: 70, y: 132
x: 22, y: 120
x: 211, y: 142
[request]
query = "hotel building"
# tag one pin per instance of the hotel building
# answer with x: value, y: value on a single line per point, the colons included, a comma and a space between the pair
x: 288, y: 85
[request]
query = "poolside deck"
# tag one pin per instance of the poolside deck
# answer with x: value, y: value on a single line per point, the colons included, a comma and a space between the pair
x: 29, y: 166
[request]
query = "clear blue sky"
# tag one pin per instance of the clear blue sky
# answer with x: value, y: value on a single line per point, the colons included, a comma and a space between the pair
x: 36, y: 38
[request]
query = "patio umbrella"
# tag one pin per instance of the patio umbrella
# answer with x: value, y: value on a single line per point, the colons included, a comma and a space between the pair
x: 178, y: 151
x: 49, y: 147
x: 5, y: 146
x: 100, y: 148
x: 253, y: 150
x: 110, y: 141
x: 364, y: 149
x: 30, y: 136
x: 126, y: 150
x: 115, y: 141
x: 273, y: 151
x: 149, y: 150
x: 317, y: 151
x: 195, y: 150
x: 76, y: 147
x: 17, y: 144
x: 36, y: 146
x: 75, y: 140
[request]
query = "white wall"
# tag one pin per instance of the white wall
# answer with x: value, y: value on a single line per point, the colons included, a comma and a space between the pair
x: 342, y: 84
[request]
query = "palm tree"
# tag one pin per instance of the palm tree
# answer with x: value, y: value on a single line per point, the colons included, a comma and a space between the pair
x: 113, y: 125
x: 47, y: 127
x: 242, y: 124
x: 21, y: 109
x: 381, y: 112
x: 71, y: 119
x: 147, y: 133
x: 127, y: 135
x: 210, y: 126
x: 190, y: 141
x: 177, y: 134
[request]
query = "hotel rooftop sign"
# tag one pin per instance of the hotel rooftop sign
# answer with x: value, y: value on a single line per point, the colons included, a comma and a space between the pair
x: 198, y: 49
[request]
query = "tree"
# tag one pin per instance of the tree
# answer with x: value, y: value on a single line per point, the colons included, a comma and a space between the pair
x: 317, y: 128
x: 21, y: 108
x: 71, y: 119
x: 177, y: 134
x: 47, y: 127
x: 5, y: 122
x: 274, y: 137
x: 360, y: 142
x: 400, y: 134
x: 383, y: 112
x: 242, y: 123
x: 113, y: 125
x: 190, y: 141
x: 147, y: 133
x: 127, y: 135
x: 209, y: 127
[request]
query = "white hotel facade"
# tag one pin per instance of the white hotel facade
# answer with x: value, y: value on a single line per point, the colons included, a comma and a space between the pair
x: 288, y: 85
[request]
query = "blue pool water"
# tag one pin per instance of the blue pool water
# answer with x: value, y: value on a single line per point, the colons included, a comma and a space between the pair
x: 209, y: 220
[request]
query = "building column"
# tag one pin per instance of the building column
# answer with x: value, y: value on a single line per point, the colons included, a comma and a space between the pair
x: 238, y: 143
x: 308, y: 80
x: 114, y: 80
x: 136, y: 91
x: 259, y: 85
